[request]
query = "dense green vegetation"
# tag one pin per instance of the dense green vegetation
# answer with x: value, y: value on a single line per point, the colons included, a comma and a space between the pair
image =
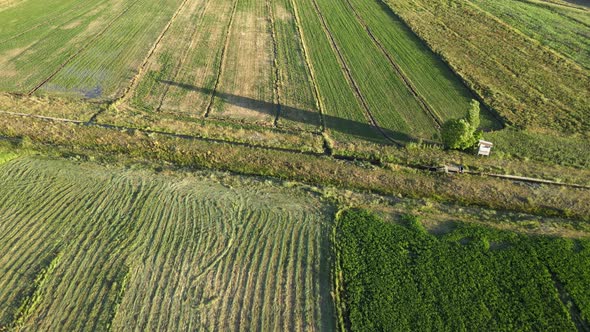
x: 401, y: 277
x: 463, y: 134
x: 89, y: 247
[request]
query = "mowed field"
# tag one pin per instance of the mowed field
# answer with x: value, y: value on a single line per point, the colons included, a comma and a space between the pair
x: 85, y: 247
x: 348, y: 67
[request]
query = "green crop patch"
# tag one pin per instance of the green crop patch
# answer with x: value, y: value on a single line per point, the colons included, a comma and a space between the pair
x: 402, y: 277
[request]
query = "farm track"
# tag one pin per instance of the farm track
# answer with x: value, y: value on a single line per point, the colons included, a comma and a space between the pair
x: 135, y: 80
x: 308, y: 65
x: 222, y: 60
x: 82, y: 49
x: 350, y: 78
x: 410, y: 86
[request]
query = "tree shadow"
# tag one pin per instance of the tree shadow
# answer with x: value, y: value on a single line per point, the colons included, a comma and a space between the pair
x: 357, y: 129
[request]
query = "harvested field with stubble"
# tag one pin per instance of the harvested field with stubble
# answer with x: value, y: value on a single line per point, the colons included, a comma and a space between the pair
x: 86, y: 247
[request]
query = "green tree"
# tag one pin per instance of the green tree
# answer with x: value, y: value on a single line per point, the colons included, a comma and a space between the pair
x: 462, y: 134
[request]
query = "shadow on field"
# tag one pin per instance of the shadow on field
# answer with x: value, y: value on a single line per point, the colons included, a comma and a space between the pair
x: 360, y: 130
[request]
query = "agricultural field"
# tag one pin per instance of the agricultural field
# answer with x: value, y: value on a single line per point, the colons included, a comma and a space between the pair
x: 348, y: 68
x: 89, y: 247
x: 530, y: 85
x: 554, y: 26
x: 279, y: 165
x: 457, y: 277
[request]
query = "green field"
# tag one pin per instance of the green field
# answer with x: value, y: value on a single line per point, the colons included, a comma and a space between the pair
x: 87, y: 247
x: 458, y: 277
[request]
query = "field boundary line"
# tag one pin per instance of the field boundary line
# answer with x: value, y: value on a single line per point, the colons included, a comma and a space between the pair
x: 351, y: 80
x: 277, y: 80
x: 221, y: 60
x: 134, y: 81
x: 43, y: 117
x: 184, y: 56
x: 309, y: 65
x: 160, y: 132
x: 423, y: 103
x: 82, y: 49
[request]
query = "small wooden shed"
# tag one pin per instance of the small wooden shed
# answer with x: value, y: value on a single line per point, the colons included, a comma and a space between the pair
x: 485, y: 148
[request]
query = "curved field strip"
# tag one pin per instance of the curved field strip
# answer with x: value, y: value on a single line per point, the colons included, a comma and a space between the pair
x: 171, y: 253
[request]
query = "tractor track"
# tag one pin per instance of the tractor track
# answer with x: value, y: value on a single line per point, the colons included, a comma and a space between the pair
x: 275, y: 66
x: 411, y: 87
x: 360, y: 97
x: 82, y: 49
